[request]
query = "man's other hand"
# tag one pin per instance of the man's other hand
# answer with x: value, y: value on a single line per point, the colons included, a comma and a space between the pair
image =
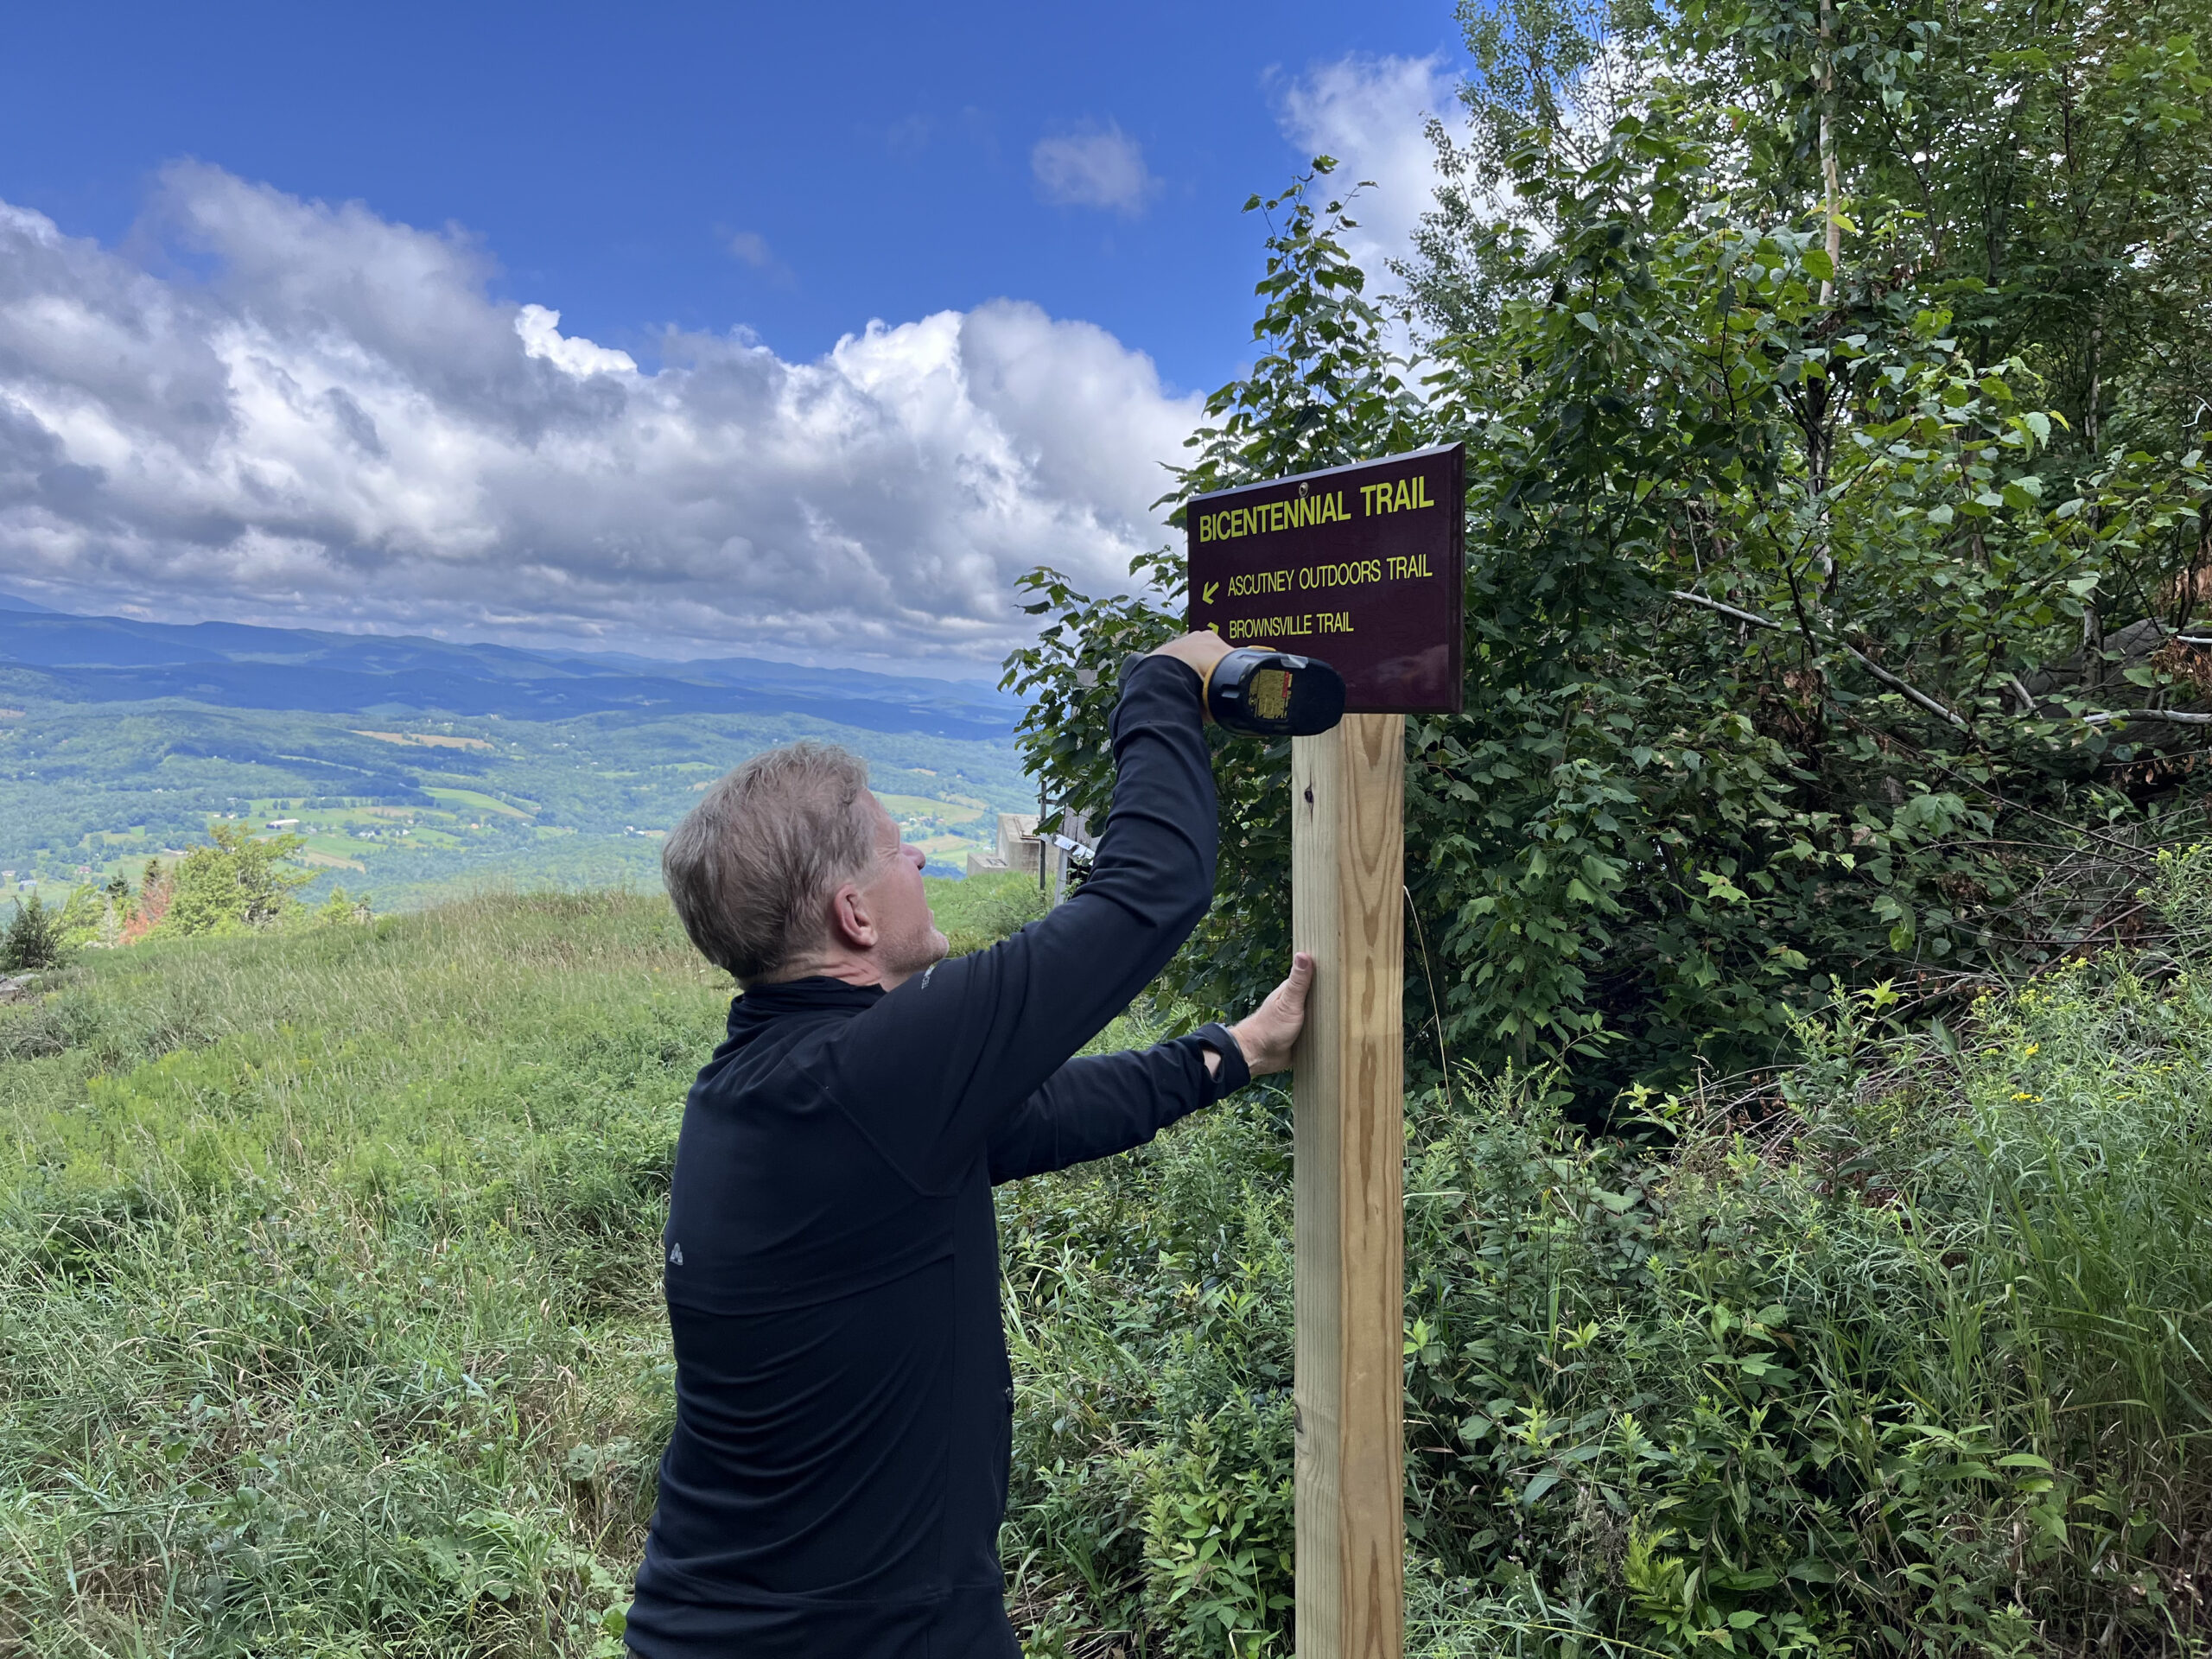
x: 1268, y: 1033
x: 1197, y: 652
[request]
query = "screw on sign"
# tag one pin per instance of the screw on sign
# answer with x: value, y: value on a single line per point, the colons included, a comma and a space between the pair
x: 1356, y: 569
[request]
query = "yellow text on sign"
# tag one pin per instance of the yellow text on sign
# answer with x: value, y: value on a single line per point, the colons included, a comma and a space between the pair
x: 1287, y: 627
x: 1310, y: 512
x: 1406, y: 495
x: 1348, y: 573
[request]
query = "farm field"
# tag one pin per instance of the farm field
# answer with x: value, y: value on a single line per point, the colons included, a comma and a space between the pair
x: 415, y: 812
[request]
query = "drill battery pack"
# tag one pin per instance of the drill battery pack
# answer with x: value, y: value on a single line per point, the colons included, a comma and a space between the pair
x: 1275, y: 694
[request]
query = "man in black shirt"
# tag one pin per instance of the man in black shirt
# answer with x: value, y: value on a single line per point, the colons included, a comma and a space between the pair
x: 838, y: 1472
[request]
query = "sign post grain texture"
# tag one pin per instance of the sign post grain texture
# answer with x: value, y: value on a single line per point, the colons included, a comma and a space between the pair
x: 1347, y: 873
x: 1361, y: 566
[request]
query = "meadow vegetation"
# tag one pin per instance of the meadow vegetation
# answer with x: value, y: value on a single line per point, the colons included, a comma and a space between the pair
x: 329, y: 1290
x: 328, y: 1274
x: 328, y: 1277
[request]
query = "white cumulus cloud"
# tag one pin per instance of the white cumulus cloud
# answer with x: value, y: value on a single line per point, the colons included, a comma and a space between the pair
x: 540, y: 330
x: 1372, y: 114
x: 340, y: 422
x: 1098, y: 166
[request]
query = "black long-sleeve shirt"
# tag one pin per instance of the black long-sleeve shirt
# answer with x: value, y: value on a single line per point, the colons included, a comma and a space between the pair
x: 838, y: 1472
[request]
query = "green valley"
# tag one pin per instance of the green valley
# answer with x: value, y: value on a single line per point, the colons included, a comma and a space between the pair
x: 411, y: 810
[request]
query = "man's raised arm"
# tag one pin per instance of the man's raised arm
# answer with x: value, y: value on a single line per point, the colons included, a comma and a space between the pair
x: 941, y: 1062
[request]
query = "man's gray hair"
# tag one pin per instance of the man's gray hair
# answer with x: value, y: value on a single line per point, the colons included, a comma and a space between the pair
x: 753, y: 865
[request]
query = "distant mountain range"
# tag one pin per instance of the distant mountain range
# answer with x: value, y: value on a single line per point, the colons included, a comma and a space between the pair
x: 47, y: 653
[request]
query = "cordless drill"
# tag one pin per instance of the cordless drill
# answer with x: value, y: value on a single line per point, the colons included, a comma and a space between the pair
x: 1274, y: 694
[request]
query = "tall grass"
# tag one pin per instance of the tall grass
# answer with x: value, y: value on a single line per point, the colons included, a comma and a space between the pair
x: 326, y: 1284
x: 329, y: 1279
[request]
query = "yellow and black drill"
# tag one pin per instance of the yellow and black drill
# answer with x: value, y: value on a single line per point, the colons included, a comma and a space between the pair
x: 1275, y: 694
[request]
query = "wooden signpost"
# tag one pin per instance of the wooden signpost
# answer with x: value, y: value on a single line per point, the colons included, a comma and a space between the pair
x: 1361, y: 566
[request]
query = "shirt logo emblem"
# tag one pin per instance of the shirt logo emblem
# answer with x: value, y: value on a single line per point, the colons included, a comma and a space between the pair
x: 675, y: 1255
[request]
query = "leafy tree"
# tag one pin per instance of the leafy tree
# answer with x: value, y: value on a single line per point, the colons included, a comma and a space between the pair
x: 232, y: 883
x: 1799, y: 646
x: 342, y: 907
x: 115, y: 910
x: 83, y: 917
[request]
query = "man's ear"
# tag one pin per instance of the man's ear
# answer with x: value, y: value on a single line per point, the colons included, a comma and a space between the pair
x: 850, y: 923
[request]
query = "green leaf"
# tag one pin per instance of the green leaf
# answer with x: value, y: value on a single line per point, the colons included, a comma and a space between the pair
x: 1719, y: 886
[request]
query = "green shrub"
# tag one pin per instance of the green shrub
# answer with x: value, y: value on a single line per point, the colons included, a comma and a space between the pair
x: 1148, y: 1300
x: 1814, y: 604
x: 234, y: 882
x: 1906, y: 1355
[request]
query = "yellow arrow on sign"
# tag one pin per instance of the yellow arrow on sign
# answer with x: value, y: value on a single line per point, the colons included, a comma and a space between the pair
x: 1212, y: 587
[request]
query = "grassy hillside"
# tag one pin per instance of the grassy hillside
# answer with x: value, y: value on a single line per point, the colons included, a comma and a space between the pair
x: 329, y: 1278
x: 328, y: 1290
x: 329, y: 1266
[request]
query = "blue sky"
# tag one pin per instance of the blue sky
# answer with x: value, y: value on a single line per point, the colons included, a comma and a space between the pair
x: 683, y: 185
x: 795, y: 168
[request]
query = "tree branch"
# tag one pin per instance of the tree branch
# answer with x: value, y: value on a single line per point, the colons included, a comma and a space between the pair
x: 1726, y: 610
x: 2171, y: 716
x: 1872, y: 667
x: 2102, y: 717
x: 1901, y: 688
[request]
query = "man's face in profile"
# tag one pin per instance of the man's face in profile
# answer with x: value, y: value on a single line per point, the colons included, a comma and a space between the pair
x: 908, y: 939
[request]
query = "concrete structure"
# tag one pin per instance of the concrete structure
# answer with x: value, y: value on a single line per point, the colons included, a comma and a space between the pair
x: 1018, y: 846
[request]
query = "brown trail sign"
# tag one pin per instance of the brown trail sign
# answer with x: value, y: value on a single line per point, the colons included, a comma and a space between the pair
x: 1361, y: 566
